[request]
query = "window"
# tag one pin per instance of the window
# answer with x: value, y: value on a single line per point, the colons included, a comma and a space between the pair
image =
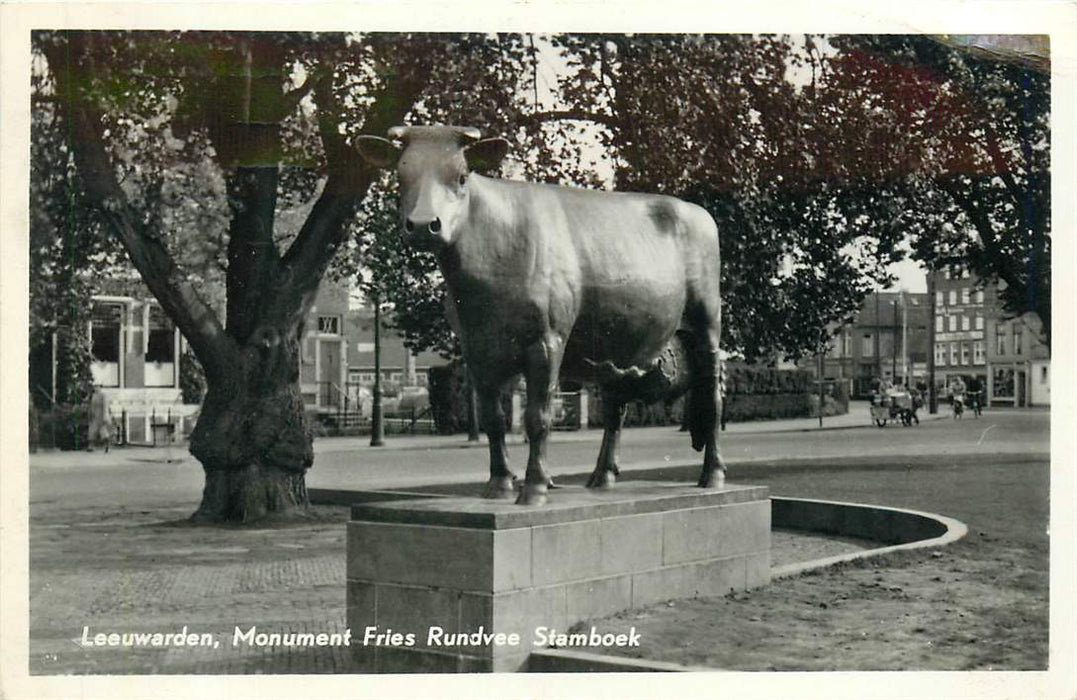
x: 965, y: 322
x: 329, y: 324
x: 160, y: 343
x: 953, y: 322
x: 846, y: 343
x: 1017, y: 335
x: 866, y: 346
x: 1000, y: 340
x: 964, y: 295
x: 1003, y: 383
x: 953, y: 353
x: 939, y: 301
x: 953, y: 297
x: 964, y: 273
x: 978, y: 352
x: 979, y: 296
x: 979, y: 322
x: 946, y: 273
x: 940, y: 354
x: 964, y: 353
x: 1043, y: 374
x: 938, y: 323
x: 105, y: 332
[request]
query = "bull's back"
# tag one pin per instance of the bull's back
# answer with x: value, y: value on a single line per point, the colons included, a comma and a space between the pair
x: 628, y: 263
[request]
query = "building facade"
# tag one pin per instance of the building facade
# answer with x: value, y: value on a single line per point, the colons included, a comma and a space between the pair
x: 137, y: 356
x: 400, y: 367
x: 963, y: 308
x: 323, y: 356
x: 975, y: 340
x: 1018, y: 363
x: 887, y: 338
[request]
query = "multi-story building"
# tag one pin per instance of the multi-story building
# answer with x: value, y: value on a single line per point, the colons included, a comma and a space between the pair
x: 887, y: 338
x: 963, y: 308
x: 1018, y: 362
x: 974, y: 339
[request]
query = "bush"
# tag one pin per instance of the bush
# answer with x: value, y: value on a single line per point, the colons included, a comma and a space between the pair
x: 65, y: 426
x: 192, y: 378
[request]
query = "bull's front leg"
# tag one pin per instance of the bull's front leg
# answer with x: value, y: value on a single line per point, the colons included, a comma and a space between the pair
x: 492, y: 416
x: 543, y: 365
x: 613, y: 415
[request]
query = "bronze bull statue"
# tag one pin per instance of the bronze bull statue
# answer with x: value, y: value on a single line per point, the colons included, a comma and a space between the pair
x: 551, y: 282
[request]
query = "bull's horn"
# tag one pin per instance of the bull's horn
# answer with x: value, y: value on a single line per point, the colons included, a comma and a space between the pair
x: 468, y: 133
x: 397, y: 132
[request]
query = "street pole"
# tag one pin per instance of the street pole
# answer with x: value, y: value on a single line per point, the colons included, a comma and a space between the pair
x: 822, y: 349
x: 905, y: 339
x: 377, y: 430
x: 878, y: 330
x: 932, y: 400
x: 893, y: 345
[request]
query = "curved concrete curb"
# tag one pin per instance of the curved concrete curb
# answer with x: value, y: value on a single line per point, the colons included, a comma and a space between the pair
x: 566, y: 661
x: 899, y: 528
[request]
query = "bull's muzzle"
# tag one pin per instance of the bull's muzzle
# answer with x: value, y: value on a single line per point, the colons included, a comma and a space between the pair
x: 425, y: 235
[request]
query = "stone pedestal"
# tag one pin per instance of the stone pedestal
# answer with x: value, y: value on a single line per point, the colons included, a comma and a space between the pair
x: 467, y: 565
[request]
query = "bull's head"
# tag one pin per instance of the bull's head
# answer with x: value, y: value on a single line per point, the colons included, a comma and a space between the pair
x: 433, y: 163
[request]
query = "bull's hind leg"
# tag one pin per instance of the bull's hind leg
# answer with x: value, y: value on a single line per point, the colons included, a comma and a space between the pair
x: 492, y: 415
x: 543, y: 365
x: 613, y: 415
x: 705, y: 405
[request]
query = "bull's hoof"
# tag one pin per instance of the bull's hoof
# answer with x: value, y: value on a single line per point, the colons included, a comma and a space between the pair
x: 550, y: 484
x: 712, y: 479
x: 602, y: 479
x: 532, y: 495
x: 500, y: 488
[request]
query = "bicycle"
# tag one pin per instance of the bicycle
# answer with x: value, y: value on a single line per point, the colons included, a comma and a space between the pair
x: 959, y: 407
x: 975, y: 404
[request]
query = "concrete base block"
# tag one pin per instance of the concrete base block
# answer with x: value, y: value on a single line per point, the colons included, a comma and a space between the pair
x: 460, y: 585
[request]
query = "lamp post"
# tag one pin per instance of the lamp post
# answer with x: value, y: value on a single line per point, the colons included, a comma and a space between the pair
x: 932, y: 399
x: 893, y: 345
x: 377, y: 429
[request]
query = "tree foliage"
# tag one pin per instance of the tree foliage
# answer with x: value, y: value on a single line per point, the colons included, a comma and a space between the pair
x: 975, y: 180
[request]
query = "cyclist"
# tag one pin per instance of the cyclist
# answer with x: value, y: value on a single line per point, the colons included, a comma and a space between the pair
x: 957, y: 393
x: 975, y: 392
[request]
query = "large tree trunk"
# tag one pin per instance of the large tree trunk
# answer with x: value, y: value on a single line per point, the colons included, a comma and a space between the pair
x: 253, y: 438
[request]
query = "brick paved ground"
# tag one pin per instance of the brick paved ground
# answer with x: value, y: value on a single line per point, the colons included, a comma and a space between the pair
x: 124, y: 570
x: 117, y: 570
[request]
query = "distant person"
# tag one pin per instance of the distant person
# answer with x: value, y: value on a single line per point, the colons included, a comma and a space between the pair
x: 100, y: 421
x: 975, y: 393
x: 957, y: 395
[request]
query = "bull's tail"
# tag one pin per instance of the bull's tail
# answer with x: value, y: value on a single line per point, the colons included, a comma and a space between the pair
x: 705, y: 399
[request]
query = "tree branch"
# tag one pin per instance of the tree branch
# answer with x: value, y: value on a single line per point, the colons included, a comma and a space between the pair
x: 569, y: 115
x: 349, y: 176
x: 177, y: 296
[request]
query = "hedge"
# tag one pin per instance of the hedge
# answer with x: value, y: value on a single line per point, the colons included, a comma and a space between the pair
x: 65, y: 427
x: 751, y: 393
x: 448, y: 399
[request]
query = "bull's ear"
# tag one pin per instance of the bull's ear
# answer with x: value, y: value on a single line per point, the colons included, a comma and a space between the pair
x: 377, y: 151
x: 486, y: 154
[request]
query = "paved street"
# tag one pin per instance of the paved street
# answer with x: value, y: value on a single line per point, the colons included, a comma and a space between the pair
x: 144, y: 476
x: 108, y: 548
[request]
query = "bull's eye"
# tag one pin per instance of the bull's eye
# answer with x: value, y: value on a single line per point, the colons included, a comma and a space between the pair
x: 463, y: 179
